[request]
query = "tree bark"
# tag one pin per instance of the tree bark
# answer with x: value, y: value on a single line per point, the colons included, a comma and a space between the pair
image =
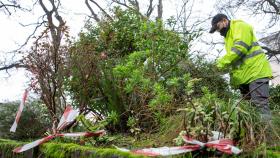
x: 160, y: 9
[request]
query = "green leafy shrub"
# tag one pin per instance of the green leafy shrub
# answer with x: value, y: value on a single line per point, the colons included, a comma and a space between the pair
x: 275, y: 98
x: 237, y: 120
x: 116, y: 65
x: 136, y: 68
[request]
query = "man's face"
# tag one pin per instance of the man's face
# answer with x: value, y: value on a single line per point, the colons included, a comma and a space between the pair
x: 222, y: 24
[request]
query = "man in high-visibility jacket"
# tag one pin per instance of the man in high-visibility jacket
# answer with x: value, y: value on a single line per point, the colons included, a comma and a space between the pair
x: 249, y: 69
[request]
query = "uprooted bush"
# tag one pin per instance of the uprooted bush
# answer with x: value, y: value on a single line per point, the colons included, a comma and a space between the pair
x: 127, y: 66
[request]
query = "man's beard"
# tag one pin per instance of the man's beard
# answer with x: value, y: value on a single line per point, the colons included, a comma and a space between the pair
x: 223, y: 31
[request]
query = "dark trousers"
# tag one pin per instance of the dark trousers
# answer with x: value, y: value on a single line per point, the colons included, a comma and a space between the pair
x: 259, y: 94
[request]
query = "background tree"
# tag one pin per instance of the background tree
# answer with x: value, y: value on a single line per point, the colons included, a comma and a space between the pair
x: 46, y: 60
x: 143, y: 8
x: 256, y: 7
x: 272, y: 46
x: 33, y: 123
x: 259, y: 8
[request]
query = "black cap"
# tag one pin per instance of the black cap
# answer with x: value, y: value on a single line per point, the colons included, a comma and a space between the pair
x: 217, y: 18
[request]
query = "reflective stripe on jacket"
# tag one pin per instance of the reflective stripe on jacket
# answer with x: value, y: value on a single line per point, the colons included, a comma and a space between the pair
x: 244, y: 58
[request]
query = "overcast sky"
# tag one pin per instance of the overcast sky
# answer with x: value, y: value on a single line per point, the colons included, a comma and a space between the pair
x: 74, y: 12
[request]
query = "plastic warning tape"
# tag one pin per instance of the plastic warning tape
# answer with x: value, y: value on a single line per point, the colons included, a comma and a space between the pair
x: 163, y: 151
x: 68, y: 116
x: 223, y: 145
x: 21, y: 106
x: 48, y: 138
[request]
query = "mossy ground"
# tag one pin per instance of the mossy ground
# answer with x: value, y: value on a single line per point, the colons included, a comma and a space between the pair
x: 62, y: 150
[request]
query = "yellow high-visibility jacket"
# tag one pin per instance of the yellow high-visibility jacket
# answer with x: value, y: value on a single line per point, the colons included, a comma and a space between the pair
x: 244, y: 59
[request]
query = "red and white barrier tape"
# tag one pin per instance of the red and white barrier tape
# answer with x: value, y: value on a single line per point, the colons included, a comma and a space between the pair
x: 68, y: 116
x: 223, y: 145
x: 33, y: 144
x: 163, y: 151
x: 21, y: 106
x: 84, y: 134
x: 48, y: 138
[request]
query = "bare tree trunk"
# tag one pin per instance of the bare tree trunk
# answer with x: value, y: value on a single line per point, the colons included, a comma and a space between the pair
x: 47, y: 60
x: 160, y: 9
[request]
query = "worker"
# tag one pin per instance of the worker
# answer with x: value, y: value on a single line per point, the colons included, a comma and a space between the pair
x: 245, y: 60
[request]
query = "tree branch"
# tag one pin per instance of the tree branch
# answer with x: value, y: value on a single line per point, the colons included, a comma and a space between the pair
x: 123, y: 4
x: 274, y: 5
x: 271, y: 53
x: 95, y: 16
x: 38, y: 25
x: 14, y: 65
x: 103, y: 11
x: 7, y: 6
x: 150, y: 9
x: 135, y: 4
